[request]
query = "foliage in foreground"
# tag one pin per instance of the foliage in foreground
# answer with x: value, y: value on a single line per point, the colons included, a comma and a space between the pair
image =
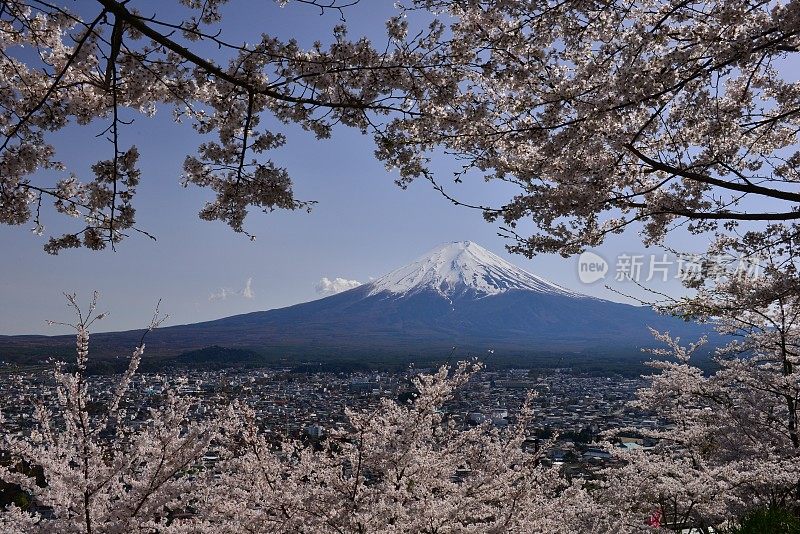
x: 772, y: 520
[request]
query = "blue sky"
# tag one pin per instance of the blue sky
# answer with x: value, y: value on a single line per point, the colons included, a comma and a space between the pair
x: 363, y: 226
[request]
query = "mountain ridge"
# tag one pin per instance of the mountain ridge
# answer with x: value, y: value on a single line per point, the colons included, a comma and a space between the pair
x: 457, y: 295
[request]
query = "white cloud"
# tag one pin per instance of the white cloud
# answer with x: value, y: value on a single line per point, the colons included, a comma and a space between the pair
x: 222, y: 294
x: 247, y: 292
x: 225, y: 292
x: 326, y: 286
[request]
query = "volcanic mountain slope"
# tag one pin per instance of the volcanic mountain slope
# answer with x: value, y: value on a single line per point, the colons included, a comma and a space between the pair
x: 457, y: 295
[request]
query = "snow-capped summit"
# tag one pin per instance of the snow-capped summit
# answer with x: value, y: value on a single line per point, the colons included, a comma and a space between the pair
x: 462, y: 268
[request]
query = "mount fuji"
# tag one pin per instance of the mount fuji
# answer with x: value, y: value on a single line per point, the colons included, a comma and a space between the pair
x: 458, y: 296
x: 458, y: 270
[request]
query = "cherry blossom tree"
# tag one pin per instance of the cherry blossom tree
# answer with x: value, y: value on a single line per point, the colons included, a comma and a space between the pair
x: 613, y: 113
x: 603, y: 115
x: 731, y: 444
x: 100, y: 474
x: 104, y: 64
x: 399, y: 468
x: 679, y: 483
